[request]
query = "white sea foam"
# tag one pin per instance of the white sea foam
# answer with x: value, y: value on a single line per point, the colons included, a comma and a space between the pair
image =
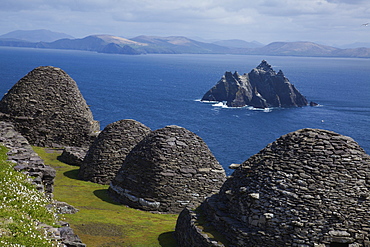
x: 223, y: 104
x: 259, y: 109
x: 206, y: 101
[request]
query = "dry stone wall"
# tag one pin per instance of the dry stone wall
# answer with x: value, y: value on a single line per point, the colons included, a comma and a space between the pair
x: 169, y: 169
x: 26, y: 160
x: 308, y: 188
x: 109, y: 150
x: 189, y: 233
x: 48, y: 109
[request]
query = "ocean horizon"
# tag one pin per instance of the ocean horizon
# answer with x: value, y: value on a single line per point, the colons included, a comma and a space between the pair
x: 161, y: 90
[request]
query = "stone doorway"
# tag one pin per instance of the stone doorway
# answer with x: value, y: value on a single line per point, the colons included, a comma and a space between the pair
x: 339, y: 245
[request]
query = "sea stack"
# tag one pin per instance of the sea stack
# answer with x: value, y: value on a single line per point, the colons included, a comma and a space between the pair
x: 260, y: 88
x: 310, y: 187
x: 109, y: 150
x: 47, y: 107
x: 171, y: 168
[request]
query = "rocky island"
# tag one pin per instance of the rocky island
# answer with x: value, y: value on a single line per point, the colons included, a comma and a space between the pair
x: 310, y: 187
x: 260, y: 88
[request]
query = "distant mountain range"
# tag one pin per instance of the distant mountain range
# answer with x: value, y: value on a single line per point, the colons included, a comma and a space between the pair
x: 172, y: 45
x: 356, y: 45
x: 237, y: 43
x: 40, y: 35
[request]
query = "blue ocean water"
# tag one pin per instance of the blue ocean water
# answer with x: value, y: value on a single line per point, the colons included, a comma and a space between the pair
x: 160, y: 90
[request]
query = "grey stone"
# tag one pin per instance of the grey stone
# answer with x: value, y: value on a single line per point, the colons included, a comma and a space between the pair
x: 64, y: 208
x: 261, y: 88
x: 234, y: 166
x: 48, y: 109
x: 188, y: 233
x: 306, y: 197
x: 168, y: 176
x: 26, y: 160
x: 109, y: 150
x: 69, y: 238
x: 73, y: 155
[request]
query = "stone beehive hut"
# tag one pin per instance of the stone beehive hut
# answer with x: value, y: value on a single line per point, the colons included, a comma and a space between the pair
x: 308, y: 188
x: 169, y: 169
x: 109, y: 150
x: 47, y: 107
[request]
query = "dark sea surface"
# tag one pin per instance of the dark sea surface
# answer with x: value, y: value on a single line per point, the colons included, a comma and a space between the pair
x: 160, y: 90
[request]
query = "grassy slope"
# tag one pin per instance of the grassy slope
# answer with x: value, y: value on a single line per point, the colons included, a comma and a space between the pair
x: 101, y: 221
x: 22, y: 207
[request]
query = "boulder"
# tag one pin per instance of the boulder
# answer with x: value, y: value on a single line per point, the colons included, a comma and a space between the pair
x: 169, y: 169
x: 73, y: 155
x: 109, y: 150
x: 64, y: 208
x: 310, y: 187
x: 260, y: 88
x: 47, y: 108
x: 69, y: 238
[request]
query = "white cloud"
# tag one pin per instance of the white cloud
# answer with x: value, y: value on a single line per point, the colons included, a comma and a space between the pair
x: 263, y: 20
x: 352, y: 2
x: 295, y: 8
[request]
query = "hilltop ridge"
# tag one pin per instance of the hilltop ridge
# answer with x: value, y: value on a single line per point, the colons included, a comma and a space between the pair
x: 40, y: 35
x: 145, y: 44
x: 308, y: 186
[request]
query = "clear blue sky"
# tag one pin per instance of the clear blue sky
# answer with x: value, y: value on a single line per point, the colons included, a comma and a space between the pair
x: 332, y: 22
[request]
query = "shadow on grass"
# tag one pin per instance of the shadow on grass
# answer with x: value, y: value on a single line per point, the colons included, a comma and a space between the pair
x: 167, y: 239
x: 72, y: 174
x: 103, y: 195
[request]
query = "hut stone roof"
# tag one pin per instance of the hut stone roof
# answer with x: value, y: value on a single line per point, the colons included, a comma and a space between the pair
x: 47, y: 107
x: 109, y: 150
x: 169, y: 169
x: 310, y: 187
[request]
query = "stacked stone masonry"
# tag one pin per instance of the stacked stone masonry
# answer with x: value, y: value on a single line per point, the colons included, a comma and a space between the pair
x: 109, y: 150
x: 48, y: 109
x: 308, y: 188
x: 26, y: 160
x: 169, y: 169
x: 189, y: 233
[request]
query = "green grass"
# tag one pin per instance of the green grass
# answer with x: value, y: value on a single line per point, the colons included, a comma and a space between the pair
x: 101, y: 222
x: 22, y: 207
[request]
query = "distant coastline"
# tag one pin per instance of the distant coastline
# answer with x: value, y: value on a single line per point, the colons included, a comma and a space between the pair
x: 181, y: 45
